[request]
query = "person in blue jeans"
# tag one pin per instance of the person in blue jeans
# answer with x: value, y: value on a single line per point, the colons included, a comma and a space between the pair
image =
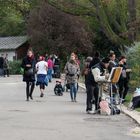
x: 72, y: 71
x: 73, y: 91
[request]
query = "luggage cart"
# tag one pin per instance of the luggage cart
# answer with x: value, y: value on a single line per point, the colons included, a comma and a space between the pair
x: 113, y: 79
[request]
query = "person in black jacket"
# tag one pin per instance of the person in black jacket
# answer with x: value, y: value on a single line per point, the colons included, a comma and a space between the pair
x: 96, y: 74
x: 88, y: 82
x: 28, y: 64
x: 124, y: 78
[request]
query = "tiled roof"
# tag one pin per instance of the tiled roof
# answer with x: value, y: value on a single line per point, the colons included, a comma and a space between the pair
x: 12, y: 42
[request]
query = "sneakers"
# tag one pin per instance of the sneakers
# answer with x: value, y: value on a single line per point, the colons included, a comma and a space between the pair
x: 93, y: 111
x: 90, y: 112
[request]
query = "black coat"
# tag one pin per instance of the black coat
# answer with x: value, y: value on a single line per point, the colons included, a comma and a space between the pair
x: 124, y: 67
x: 90, y: 77
x: 1, y: 62
x: 27, y: 61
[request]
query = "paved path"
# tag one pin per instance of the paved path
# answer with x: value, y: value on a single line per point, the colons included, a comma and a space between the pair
x: 55, y: 118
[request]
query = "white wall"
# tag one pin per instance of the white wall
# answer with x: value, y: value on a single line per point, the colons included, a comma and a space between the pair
x: 11, y: 54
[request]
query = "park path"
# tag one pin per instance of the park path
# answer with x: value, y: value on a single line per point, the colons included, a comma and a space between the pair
x: 55, y: 117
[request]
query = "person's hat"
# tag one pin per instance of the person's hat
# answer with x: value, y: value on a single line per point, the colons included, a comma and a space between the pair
x: 106, y: 60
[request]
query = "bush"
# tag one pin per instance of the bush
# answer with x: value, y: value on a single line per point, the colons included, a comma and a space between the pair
x: 134, y: 62
x: 15, y: 67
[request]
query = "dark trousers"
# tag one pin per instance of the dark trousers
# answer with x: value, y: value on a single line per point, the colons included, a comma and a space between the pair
x: 6, y: 72
x: 123, y: 88
x: 92, y: 91
x: 29, y: 89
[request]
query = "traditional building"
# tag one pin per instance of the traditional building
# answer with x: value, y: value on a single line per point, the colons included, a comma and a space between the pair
x: 15, y: 47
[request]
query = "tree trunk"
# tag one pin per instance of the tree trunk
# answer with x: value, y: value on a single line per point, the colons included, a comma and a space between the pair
x: 132, y: 16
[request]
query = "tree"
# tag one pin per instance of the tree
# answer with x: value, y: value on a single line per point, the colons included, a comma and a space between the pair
x: 132, y: 19
x: 58, y: 32
x: 111, y: 16
x: 14, y: 15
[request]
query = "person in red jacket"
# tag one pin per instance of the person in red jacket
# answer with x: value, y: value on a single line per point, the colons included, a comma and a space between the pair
x: 50, y: 68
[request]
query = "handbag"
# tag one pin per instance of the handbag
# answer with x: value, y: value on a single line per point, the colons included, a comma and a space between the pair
x: 29, y: 72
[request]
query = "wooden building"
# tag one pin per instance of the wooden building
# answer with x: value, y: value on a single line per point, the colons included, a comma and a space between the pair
x: 15, y: 47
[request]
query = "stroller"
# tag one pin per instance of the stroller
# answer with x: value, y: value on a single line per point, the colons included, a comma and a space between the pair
x: 58, y: 89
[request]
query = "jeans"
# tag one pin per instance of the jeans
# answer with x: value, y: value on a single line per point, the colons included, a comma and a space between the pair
x: 49, y: 74
x: 73, y: 90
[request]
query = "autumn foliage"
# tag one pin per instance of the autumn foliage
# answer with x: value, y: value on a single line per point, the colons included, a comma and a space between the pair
x: 53, y: 31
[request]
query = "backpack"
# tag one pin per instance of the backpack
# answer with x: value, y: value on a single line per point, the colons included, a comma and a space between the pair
x: 72, y: 69
x: 104, y: 107
x: 108, y: 109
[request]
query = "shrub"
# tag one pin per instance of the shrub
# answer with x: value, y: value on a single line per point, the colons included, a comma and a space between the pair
x: 15, y: 67
x: 134, y: 62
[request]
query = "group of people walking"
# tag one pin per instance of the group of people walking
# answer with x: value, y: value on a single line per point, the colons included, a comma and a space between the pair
x: 43, y: 69
x: 95, y: 70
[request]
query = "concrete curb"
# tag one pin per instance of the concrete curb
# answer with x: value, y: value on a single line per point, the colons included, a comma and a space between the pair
x: 133, y: 114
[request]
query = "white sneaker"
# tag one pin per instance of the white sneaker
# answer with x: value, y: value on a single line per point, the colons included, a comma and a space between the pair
x: 90, y: 112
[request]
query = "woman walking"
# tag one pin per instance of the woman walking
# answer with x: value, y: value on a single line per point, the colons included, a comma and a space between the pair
x: 42, y: 67
x: 28, y: 64
x: 72, y: 71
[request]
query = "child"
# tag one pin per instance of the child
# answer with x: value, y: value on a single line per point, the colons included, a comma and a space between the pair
x: 58, y: 89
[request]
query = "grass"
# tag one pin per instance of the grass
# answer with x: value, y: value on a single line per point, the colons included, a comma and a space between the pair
x: 128, y: 99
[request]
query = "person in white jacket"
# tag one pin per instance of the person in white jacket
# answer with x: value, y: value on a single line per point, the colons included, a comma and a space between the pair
x: 96, y: 75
